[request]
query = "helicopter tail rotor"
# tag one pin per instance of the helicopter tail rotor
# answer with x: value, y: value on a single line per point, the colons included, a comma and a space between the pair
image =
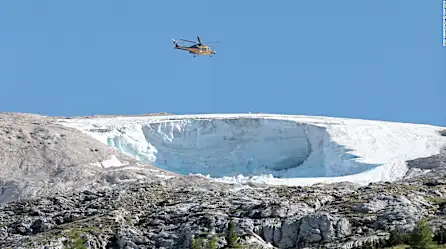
x: 175, y: 43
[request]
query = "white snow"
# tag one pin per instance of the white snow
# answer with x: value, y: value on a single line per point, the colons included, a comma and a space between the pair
x: 274, y: 149
x: 108, y: 163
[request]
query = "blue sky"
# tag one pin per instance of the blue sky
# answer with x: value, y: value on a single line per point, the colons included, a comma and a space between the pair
x: 360, y: 59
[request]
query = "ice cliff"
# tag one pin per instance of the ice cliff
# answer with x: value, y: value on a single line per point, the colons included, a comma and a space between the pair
x: 277, y: 149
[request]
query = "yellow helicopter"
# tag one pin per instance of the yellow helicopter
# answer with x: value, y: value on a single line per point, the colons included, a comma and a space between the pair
x: 198, y: 48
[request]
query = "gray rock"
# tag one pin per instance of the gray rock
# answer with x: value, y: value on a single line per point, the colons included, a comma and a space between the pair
x: 371, y: 207
x: 110, y: 209
x: 319, y: 227
x: 289, y: 233
x: 42, y: 157
x: 41, y: 225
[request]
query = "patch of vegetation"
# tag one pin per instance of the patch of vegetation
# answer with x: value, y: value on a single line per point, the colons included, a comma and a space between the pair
x: 420, y: 238
x: 396, y: 238
x: 200, y: 243
x: 231, y: 235
x: 409, y: 187
x: 49, y: 235
x: 436, y: 200
x: 75, y: 240
x: 197, y: 243
x: 213, y: 243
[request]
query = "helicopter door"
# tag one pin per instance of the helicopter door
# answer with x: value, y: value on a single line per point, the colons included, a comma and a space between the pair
x: 204, y: 49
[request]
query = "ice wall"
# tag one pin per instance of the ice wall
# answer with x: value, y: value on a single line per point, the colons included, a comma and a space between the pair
x: 230, y: 147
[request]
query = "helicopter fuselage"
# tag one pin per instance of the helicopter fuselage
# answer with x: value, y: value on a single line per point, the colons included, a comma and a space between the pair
x: 199, y: 50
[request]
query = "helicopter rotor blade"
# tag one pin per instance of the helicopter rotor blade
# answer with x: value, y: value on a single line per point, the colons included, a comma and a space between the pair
x: 199, y: 41
x: 187, y: 41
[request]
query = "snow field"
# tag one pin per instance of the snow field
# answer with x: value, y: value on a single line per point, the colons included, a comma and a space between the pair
x: 273, y: 149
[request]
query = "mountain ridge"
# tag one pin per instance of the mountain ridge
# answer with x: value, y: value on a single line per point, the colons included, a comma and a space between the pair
x: 62, y: 187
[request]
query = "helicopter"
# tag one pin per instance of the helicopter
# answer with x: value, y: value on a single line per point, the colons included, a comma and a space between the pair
x: 198, y: 48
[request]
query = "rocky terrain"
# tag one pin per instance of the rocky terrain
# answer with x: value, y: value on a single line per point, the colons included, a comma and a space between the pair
x: 53, y: 197
x: 41, y: 157
x: 170, y: 213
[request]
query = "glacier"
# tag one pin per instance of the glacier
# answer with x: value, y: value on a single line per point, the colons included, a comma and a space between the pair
x: 268, y: 148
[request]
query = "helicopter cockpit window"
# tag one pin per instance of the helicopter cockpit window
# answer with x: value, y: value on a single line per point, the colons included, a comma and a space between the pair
x: 203, y: 49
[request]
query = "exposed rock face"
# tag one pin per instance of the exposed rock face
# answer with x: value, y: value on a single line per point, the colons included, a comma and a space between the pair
x: 40, y: 157
x: 432, y: 162
x: 170, y: 213
x: 77, y: 201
